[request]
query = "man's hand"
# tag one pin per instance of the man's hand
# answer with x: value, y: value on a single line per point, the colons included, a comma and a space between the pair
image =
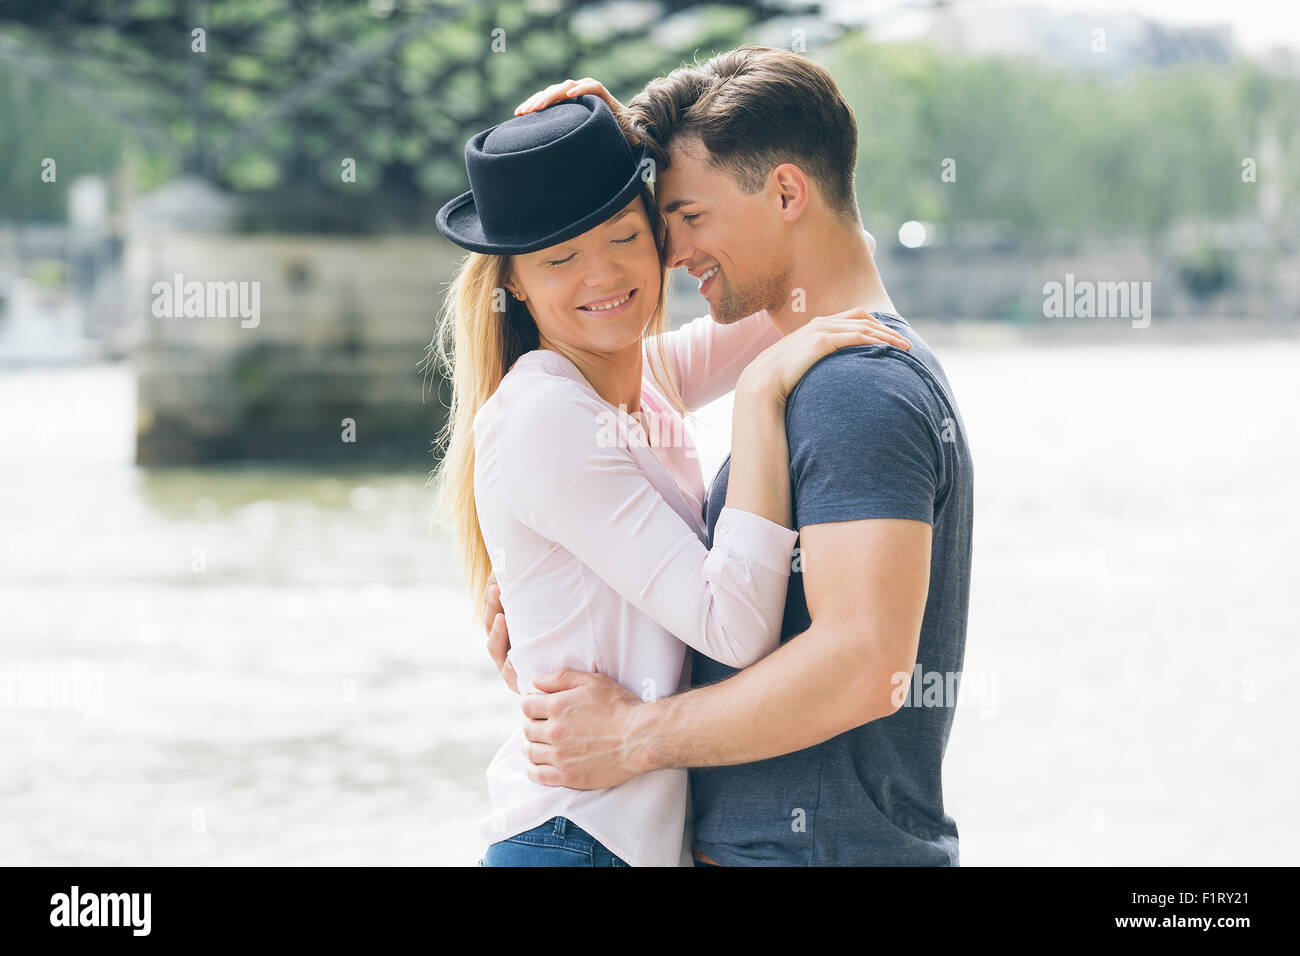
x: 579, y: 730
x: 498, y: 643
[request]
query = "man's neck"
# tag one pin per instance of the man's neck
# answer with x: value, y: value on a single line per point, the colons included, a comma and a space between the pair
x: 835, y: 272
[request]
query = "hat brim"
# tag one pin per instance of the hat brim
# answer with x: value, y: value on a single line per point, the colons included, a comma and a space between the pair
x: 458, y: 220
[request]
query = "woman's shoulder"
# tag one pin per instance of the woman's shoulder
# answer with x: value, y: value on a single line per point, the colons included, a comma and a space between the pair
x: 541, y: 390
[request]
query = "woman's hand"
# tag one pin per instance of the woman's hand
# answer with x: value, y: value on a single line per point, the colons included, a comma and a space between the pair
x: 775, y: 371
x: 494, y: 625
x: 760, y: 451
x: 559, y: 92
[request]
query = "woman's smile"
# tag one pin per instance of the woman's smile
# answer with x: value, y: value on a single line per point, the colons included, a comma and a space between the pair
x: 610, y: 306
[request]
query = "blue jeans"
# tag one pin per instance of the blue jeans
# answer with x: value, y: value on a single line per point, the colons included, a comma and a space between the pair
x: 557, y: 842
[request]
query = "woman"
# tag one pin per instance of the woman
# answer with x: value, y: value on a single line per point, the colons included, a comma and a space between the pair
x: 568, y: 473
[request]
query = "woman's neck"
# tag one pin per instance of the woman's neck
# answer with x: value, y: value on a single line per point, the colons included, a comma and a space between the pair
x: 616, y: 376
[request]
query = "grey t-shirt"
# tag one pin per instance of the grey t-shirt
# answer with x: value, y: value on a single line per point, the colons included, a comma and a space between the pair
x: 874, y: 433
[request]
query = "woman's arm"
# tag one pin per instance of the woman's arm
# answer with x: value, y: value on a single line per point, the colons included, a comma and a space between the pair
x: 706, y: 358
x: 759, y: 480
x: 600, y: 506
x: 564, y: 478
x: 549, y: 454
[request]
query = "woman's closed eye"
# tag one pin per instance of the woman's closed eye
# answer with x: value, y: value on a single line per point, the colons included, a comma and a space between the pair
x: 560, y: 262
x: 690, y: 217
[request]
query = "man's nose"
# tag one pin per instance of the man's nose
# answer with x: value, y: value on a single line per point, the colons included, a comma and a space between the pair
x: 679, y: 251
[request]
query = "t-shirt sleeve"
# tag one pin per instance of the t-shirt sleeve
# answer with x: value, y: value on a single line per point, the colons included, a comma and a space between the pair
x: 588, y: 495
x: 863, y: 440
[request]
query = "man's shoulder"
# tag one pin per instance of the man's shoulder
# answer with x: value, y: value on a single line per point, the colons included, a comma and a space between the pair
x: 857, y: 364
x: 867, y: 371
x: 860, y: 380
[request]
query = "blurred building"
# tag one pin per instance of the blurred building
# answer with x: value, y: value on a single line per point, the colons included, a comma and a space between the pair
x: 300, y: 347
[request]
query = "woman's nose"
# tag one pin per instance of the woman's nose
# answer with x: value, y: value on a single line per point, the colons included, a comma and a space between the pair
x: 602, y: 272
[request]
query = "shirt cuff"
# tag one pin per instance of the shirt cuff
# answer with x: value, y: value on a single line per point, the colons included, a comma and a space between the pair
x: 754, y: 537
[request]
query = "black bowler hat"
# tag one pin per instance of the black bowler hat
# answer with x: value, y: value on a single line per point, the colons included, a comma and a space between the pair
x: 543, y: 177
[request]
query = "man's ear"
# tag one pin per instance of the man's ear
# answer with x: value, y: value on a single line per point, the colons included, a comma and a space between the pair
x: 793, y: 189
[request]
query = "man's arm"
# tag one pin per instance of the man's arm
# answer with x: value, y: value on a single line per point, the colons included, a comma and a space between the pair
x: 866, y: 584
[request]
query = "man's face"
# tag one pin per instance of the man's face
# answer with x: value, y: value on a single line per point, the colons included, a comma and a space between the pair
x: 713, y: 224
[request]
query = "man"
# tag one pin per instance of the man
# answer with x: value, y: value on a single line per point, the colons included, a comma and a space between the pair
x: 829, y: 751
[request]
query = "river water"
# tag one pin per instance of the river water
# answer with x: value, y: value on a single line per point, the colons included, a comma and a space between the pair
x: 255, y: 665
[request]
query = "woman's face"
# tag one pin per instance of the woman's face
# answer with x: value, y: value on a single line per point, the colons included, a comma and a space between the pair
x: 596, y: 292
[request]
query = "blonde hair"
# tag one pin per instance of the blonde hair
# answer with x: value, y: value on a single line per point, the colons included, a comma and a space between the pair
x: 475, y: 343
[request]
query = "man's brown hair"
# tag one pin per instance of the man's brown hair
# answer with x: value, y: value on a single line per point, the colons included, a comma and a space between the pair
x: 754, y: 108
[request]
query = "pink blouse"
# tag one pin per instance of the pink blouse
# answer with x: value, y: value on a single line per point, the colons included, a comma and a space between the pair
x: 594, y: 523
